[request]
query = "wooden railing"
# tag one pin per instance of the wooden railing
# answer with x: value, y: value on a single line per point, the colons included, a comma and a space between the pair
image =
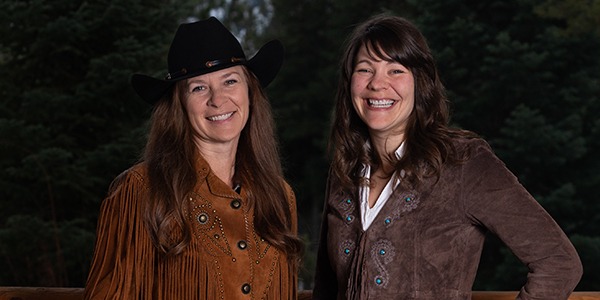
x: 44, y: 293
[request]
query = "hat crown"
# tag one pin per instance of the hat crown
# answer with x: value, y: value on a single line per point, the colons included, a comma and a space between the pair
x: 207, y: 46
x: 197, y: 44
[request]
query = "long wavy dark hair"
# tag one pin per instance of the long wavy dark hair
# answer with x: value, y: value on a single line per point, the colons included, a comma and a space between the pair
x: 170, y: 154
x: 427, y: 136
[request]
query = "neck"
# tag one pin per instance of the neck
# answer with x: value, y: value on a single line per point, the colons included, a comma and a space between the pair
x: 221, y: 160
x: 385, y: 147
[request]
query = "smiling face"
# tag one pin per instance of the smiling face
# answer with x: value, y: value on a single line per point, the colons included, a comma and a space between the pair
x: 218, y: 105
x: 382, y: 93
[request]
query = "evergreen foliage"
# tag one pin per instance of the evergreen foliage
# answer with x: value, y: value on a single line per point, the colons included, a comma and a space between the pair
x: 523, y: 74
x: 69, y: 123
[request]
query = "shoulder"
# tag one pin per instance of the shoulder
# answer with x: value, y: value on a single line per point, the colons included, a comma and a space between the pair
x: 127, y: 187
x: 479, y: 159
x: 473, y: 154
x: 289, y: 193
x: 470, y: 144
x: 468, y: 148
x: 137, y: 174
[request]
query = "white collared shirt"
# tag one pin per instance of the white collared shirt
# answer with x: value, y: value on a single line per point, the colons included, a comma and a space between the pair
x: 368, y: 214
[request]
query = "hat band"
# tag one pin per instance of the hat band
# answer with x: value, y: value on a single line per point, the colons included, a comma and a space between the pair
x: 212, y: 63
x: 176, y: 74
x: 208, y: 64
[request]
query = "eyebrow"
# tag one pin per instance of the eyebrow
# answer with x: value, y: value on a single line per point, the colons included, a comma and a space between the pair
x: 228, y: 74
x: 372, y: 59
x: 364, y: 61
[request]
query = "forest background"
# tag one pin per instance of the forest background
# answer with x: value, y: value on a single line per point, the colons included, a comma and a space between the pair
x: 524, y: 74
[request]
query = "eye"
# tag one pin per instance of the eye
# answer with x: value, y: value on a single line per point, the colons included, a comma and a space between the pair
x: 198, y: 88
x: 398, y: 68
x: 230, y: 81
x: 362, y: 70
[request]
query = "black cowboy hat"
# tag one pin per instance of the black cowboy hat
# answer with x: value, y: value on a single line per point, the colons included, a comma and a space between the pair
x: 206, y: 46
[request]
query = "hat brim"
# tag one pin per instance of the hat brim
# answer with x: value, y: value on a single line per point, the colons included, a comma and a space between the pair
x: 265, y: 64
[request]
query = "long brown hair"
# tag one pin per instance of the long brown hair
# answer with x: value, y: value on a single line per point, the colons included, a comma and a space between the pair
x: 170, y: 153
x: 427, y: 136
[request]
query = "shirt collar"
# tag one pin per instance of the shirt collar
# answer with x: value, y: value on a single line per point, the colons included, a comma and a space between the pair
x: 366, y: 169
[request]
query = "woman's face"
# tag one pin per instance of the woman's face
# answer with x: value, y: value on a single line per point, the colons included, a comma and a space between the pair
x: 382, y: 94
x: 218, y: 105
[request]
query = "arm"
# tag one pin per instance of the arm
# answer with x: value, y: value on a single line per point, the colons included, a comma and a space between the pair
x: 325, y: 287
x: 496, y: 200
x: 291, y: 196
x: 120, y: 242
x: 291, y: 199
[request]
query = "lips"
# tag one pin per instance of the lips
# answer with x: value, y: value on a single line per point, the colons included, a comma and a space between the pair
x: 380, y: 103
x: 220, y: 117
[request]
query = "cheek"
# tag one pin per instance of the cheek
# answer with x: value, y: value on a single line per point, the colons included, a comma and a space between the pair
x: 192, y: 109
x: 195, y: 109
x: 356, y: 86
x: 243, y: 102
x: 410, y: 107
x: 241, y: 96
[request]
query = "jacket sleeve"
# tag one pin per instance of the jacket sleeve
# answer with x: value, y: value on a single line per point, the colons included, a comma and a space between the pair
x: 325, y: 287
x: 291, y: 197
x: 121, y: 240
x: 496, y: 200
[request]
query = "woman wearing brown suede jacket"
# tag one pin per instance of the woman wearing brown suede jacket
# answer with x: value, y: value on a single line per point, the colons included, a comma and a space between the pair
x: 409, y: 199
x: 207, y: 214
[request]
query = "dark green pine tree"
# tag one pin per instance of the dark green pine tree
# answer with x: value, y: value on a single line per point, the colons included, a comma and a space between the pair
x: 69, y: 123
x: 524, y: 75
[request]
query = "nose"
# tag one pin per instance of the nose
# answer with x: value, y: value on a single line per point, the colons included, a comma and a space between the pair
x: 217, y: 98
x: 378, y: 81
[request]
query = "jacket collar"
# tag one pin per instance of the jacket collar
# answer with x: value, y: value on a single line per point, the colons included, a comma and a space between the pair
x: 216, y: 186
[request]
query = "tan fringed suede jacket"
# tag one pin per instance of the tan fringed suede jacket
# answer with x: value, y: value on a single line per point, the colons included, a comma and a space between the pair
x: 426, y: 243
x: 226, y: 258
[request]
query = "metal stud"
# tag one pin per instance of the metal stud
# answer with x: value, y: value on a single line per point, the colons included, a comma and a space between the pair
x: 203, y: 218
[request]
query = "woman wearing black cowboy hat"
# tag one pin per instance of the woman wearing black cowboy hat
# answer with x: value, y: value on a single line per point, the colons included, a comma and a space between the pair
x: 206, y: 214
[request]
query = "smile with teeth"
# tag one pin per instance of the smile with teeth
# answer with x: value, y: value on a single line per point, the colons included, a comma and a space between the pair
x: 380, y: 103
x: 220, y: 117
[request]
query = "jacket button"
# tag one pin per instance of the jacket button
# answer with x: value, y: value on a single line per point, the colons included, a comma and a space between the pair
x: 236, y: 204
x: 242, y: 244
x: 246, y: 288
x: 203, y: 218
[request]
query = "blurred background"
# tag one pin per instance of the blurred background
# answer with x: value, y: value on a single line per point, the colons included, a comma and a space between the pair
x: 524, y: 74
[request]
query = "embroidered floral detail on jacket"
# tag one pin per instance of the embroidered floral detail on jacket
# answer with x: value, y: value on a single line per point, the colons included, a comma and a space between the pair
x: 409, y: 202
x: 347, y: 207
x: 405, y: 202
x: 382, y: 254
x: 207, y: 226
x: 388, y: 221
x: 346, y: 250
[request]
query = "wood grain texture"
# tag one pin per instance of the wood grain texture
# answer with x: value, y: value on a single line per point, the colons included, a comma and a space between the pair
x: 52, y: 293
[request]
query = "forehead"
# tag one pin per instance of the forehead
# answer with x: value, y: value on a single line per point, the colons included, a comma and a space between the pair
x: 235, y: 70
x: 373, y: 52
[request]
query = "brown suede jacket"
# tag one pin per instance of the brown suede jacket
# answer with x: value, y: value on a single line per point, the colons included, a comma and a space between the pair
x: 426, y: 243
x: 226, y: 259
